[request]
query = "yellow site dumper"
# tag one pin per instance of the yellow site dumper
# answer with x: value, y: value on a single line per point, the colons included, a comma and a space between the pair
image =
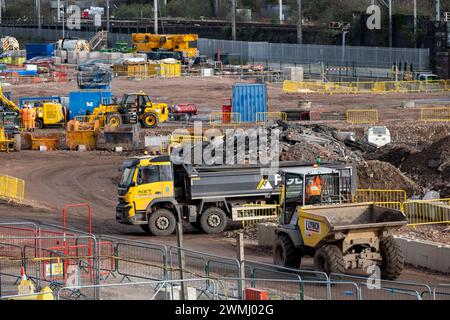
x: 339, y: 235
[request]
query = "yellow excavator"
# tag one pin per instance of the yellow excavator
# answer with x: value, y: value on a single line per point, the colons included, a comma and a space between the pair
x: 134, y: 108
x: 148, y: 43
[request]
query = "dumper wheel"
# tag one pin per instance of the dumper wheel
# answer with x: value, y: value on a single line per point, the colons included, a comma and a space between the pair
x: 17, y: 142
x: 38, y: 123
x: 329, y: 259
x: 393, y: 259
x: 162, y: 222
x: 284, y: 252
x: 114, y: 120
x: 149, y: 120
x: 213, y: 220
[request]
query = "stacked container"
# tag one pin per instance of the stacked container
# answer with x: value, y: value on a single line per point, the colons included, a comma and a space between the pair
x: 248, y: 100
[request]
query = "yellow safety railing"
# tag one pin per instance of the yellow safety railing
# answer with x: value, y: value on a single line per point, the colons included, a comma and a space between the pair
x: 379, y: 195
x: 263, y: 117
x: 373, y: 87
x: 12, y: 188
x: 362, y: 116
x: 391, y: 205
x: 223, y: 119
x: 435, y: 114
x: 424, y: 212
x: 251, y: 214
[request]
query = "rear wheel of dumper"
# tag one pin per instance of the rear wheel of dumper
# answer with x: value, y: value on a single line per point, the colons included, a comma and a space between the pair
x: 149, y: 120
x: 329, y: 259
x: 285, y: 254
x: 393, y: 260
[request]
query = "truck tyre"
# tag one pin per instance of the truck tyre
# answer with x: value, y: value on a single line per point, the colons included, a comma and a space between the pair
x: 213, y: 220
x: 329, y: 259
x: 149, y: 120
x: 393, y: 259
x: 284, y: 252
x: 114, y: 120
x: 38, y: 123
x: 162, y: 222
x: 17, y: 142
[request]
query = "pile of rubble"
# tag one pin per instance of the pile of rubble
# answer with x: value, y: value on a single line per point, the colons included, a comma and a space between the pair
x: 306, y: 143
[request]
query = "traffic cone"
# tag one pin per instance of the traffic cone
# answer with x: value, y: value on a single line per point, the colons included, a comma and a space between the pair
x: 23, y: 276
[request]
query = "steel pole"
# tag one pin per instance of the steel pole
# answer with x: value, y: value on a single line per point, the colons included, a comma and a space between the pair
x: 155, y: 12
x: 299, y: 23
x: 438, y: 10
x: 390, y: 23
x: 38, y: 12
x: 107, y: 16
x: 343, y: 45
x: 280, y: 6
x: 233, y: 19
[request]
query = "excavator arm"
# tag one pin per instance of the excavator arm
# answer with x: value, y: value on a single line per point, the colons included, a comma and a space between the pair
x: 7, y: 104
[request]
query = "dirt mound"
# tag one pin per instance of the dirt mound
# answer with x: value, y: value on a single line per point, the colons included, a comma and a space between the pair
x: 431, y: 166
x: 375, y: 174
x: 394, y: 154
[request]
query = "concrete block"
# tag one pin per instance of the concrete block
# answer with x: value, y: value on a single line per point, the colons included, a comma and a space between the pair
x: 42, y: 148
x: 57, y: 60
x: 82, y: 148
x: 118, y: 149
x: 266, y: 234
x: 72, y: 61
x: 426, y: 254
x: 72, y: 55
x: 82, y: 55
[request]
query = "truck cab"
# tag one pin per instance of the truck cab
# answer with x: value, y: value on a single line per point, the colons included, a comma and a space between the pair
x: 147, y: 182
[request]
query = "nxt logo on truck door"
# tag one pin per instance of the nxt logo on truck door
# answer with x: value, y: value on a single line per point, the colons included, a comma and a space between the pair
x: 144, y: 192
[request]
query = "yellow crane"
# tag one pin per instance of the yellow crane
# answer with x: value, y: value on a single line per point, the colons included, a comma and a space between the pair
x: 148, y: 42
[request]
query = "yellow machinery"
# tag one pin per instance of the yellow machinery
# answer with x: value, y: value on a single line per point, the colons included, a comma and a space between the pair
x: 147, y: 42
x: 50, y: 114
x: 47, y: 113
x: 134, y: 108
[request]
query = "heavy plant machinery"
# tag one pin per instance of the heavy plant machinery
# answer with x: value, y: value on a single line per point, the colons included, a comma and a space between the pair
x: 153, y: 191
x: 339, y: 235
x: 9, y: 122
x: 148, y: 43
x: 134, y: 108
x: 49, y: 111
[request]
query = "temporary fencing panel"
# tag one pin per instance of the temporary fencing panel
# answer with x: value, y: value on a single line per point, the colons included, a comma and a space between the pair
x: 421, y: 212
x: 369, y: 87
x: 379, y: 195
x: 362, y: 116
x: 441, y: 292
x: 220, y: 119
x: 263, y: 117
x: 435, y: 114
x: 12, y: 188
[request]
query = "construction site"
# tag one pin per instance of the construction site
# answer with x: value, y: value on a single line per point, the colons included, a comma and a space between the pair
x: 158, y: 168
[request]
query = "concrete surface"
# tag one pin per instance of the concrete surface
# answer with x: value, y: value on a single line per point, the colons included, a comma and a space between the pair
x: 426, y: 254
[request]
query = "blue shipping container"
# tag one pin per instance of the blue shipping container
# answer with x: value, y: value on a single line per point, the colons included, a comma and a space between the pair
x: 39, y: 50
x: 249, y: 99
x: 80, y: 102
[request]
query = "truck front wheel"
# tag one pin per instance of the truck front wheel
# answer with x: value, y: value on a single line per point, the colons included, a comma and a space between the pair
x: 393, y: 260
x: 213, y: 220
x: 329, y: 259
x: 17, y: 142
x: 284, y: 252
x: 162, y: 222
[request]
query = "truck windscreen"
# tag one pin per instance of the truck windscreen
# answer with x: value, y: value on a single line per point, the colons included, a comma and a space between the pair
x: 127, y: 177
